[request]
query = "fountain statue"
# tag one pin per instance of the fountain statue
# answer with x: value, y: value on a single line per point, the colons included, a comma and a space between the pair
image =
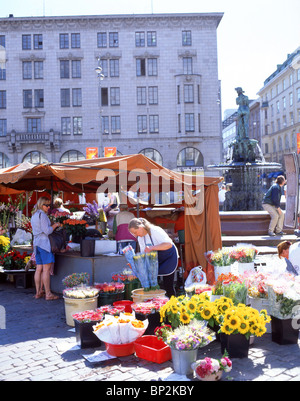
x: 244, y: 165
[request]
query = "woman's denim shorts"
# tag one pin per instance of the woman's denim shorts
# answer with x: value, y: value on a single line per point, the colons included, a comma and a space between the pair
x: 43, y: 257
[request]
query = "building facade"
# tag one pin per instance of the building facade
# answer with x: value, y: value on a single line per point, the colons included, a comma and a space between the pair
x: 160, y: 93
x: 280, y: 109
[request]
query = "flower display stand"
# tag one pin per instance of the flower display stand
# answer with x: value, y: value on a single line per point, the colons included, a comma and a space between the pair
x: 183, y: 360
x: 85, y: 337
x: 283, y: 332
x: 221, y: 270
x: 73, y: 305
x: 236, y: 345
x: 245, y: 267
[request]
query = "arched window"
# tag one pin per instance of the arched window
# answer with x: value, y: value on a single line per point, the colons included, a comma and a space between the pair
x: 35, y: 157
x: 72, y: 156
x: 4, y: 160
x: 190, y: 157
x: 152, y: 154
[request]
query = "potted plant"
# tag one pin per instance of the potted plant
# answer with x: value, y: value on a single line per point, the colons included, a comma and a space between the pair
x: 221, y: 260
x: 79, y: 299
x: 4, y: 244
x: 211, y: 369
x: 76, y: 228
x: 149, y: 310
x: 184, y: 342
x: 84, y: 322
x: 257, y: 292
x: 245, y: 256
x: 110, y: 292
x: 237, y: 324
x: 129, y: 279
x: 284, y: 300
x: 76, y: 279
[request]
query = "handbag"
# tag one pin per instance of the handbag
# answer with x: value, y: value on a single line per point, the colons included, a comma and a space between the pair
x: 58, y: 240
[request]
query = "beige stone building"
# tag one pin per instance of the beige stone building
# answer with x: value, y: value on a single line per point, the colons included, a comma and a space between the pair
x: 160, y: 94
x: 280, y: 109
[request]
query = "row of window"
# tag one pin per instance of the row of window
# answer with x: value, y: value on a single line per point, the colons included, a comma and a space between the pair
x: 290, y: 142
x: 187, y: 157
x: 104, y: 40
x: 109, y: 96
x: 284, y: 103
x: 109, y: 124
x: 72, y: 68
x: 282, y: 123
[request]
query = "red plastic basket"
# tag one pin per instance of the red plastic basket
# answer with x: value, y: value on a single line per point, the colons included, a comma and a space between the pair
x: 120, y: 349
x: 152, y: 349
x: 125, y: 303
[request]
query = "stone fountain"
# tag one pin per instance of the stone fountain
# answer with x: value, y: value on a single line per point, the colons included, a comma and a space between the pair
x: 245, y: 165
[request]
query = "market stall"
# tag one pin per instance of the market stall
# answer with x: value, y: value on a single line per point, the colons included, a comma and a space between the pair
x: 136, y: 173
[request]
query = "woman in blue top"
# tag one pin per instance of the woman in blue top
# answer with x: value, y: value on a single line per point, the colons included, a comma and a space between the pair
x: 41, y: 228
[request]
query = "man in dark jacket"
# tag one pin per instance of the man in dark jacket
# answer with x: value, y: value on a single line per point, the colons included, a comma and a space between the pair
x: 271, y: 203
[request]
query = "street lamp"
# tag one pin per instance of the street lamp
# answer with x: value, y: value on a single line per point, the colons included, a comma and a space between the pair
x: 100, y: 77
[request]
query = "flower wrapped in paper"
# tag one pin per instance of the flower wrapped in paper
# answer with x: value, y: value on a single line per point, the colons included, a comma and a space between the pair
x: 144, y: 266
x: 120, y: 330
x: 152, y: 266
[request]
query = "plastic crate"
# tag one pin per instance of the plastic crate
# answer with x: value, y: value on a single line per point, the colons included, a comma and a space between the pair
x: 152, y: 349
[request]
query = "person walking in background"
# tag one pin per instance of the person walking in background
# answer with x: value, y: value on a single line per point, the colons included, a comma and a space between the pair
x: 283, y: 252
x: 271, y: 204
x: 154, y: 238
x: 41, y: 228
x: 120, y: 227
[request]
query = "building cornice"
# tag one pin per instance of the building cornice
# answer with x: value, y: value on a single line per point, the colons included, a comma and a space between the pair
x: 150, y: 21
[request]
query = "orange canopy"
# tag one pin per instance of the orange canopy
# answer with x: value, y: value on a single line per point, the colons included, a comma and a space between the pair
x: 111, y: 174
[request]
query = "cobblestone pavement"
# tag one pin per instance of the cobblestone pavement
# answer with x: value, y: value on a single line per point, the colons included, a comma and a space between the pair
x: 37, y: 345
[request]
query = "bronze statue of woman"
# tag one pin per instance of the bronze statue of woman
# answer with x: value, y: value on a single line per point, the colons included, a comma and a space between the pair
x: 243, y: 115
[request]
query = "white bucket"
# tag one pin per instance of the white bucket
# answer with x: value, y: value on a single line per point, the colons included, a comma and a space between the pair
x: 73, y: 306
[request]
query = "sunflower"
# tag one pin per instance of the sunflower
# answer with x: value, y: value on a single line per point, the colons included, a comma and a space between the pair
x: 243, y: 327
x: 174, y: 308
x: 184, y: 318
x: 226, y: 329
x: 191, y: 306
x: 234, y: 322
x: 206, y: 312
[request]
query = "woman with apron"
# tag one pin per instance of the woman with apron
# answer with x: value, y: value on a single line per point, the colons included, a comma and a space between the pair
x: 154, y: 238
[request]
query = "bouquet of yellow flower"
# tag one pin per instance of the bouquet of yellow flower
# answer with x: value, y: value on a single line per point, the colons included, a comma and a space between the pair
x: 182, y: 310
x: 4, y: 244
x: 240, y: 319
x: 221, y: 257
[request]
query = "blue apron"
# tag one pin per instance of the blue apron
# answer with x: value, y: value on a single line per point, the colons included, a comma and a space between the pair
x: 167, y: 260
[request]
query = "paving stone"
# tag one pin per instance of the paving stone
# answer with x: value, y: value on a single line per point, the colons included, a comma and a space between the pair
x: 43, y: 352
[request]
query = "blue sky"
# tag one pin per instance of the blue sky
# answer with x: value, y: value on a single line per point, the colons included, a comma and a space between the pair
x: 253, y: 36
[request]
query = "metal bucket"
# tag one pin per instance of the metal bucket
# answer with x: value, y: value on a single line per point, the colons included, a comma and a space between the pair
x: 183, y: 360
